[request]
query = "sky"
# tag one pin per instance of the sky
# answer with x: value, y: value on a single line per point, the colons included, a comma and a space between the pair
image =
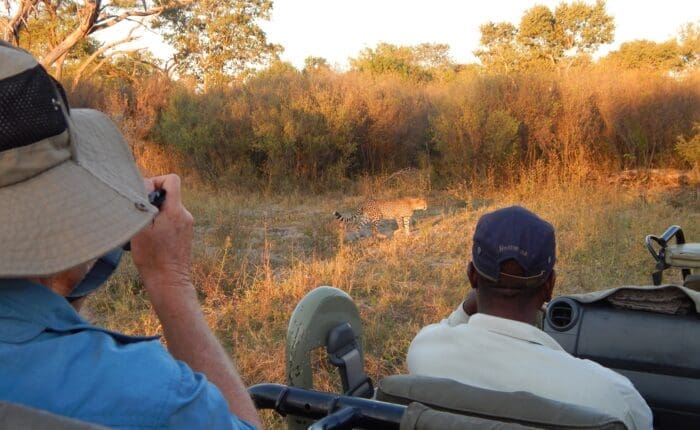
x: 339, y: 29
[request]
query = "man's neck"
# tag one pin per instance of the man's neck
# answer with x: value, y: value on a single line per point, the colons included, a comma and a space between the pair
x: 527, y: 317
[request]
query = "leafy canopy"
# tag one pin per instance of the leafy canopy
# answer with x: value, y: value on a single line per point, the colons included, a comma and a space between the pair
x: 545, y: 38
x: 216, y: 39
x: 213, y: 39
x: 414, y: 62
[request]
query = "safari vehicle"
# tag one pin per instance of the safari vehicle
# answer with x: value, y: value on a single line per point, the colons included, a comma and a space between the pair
x: 645, y: 333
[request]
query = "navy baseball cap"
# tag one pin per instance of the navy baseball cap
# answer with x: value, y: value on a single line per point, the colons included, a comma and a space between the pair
x: 518, y: 234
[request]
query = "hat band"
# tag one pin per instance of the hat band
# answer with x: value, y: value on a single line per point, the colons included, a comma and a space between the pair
x: 506, y: 280
x: 20, y: 164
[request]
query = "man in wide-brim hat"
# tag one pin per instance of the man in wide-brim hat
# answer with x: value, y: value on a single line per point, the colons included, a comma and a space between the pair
x: 70, y: 198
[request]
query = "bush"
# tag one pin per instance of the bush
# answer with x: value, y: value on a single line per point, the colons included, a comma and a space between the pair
x: 689, y: 148
x: 204, y: 127
x: 319, y: 128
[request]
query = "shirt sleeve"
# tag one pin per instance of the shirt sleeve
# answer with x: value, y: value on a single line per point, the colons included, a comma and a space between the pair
x: 196, y: 403
x: 456, y: 317
x: 419, y: 358
x: 638, y: 415
x: 639, y: 412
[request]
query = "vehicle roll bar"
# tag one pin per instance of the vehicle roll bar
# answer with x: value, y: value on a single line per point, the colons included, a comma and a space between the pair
x: 660, y: 255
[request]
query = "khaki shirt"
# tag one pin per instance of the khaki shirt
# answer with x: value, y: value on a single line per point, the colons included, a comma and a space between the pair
x: 505, y: 355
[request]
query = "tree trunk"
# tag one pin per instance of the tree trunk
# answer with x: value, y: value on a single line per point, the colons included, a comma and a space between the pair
x: 87, y: 16
x: 15, y: 24
x: 58, y: 74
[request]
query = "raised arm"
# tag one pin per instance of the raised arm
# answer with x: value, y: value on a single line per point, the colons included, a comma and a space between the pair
x: 162, y: 254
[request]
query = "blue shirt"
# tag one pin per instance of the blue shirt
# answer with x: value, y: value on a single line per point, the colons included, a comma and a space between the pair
x: 52, y: 359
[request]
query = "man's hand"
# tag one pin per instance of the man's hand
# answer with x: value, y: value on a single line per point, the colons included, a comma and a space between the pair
x: 162, y: 251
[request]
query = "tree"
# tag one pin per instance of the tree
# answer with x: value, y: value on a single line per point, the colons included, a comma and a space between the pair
x: 537, y: 36
x: 415, y: 62
x: 501, y: 51
x: 432, y: 55
x: 215, y: 39
x: 646, y: 54
x: 545, y: 39
x: 689, y: 44
x: 583, y: 28
x: 315, y: 63
x: 386, y: 58
x: 210, y: 37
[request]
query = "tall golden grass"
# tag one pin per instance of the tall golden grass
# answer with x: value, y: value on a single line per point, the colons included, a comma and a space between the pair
x: 257, y: 255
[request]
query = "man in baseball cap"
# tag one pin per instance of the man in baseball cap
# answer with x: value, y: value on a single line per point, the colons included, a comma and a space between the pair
x: 70, y: 198
x: 490, y: 340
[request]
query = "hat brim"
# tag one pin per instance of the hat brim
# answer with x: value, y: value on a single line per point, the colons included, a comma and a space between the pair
x: 76, y: 211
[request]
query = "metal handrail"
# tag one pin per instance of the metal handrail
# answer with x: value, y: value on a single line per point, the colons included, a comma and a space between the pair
x: 351, y: 411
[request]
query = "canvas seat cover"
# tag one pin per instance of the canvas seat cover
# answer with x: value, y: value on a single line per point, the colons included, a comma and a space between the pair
x: 14, y: 416
x: 519, y: 407
x: 686, y: 255
x: 691, y: 295
x: 421, y: 417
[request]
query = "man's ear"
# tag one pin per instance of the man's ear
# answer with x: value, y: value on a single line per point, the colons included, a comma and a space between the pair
x: 471, y: 274
x: 548, y: 287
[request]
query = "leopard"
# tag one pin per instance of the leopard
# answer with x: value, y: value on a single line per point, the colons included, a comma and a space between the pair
x: 372, y: 211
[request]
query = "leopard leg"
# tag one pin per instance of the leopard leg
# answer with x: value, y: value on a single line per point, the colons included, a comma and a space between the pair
x: 399, y: 224
x: 375, y: 230
x: 407, y: 225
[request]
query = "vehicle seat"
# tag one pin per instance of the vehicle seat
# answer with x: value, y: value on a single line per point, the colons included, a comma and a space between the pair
x: 685, y: 255
x: 692, y: 282
x: 14, y: 416
x: 421, y: 417
x: 523, y: 408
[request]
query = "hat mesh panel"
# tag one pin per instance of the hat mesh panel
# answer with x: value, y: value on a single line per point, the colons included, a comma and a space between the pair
x: 29, y: 109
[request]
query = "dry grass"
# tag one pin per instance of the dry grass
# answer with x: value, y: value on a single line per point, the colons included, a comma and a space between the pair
x: 257, y: 256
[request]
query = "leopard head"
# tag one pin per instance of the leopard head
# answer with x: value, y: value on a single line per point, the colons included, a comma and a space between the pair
x: 419, y: 204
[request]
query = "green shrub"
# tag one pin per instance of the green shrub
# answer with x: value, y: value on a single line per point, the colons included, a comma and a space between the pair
x: 689, y: 148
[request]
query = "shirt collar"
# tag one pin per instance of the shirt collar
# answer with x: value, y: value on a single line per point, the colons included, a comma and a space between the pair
x: 27, y: 309
x: 514, y: 329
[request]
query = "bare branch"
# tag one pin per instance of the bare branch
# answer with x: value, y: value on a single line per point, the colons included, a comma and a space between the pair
x: 86, y: 18
x: 13, y: 26
x: 110, y: 55
x: 106, y: 21
x: 130, y: 37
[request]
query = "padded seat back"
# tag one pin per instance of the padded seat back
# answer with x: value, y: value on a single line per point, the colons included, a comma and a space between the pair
x: 685, y: 255
x: 519, y: 407
x: 14, y: 416
x: 421, y: 417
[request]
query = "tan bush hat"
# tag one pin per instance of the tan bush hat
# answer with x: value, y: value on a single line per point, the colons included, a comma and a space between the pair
x: 69, y: 189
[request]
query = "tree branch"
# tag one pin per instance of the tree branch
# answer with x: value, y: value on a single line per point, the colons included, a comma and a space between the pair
x: 99, y: 52
x: 93, y: 19
x: 86, y: 18
x: 110, y: 55
x: 13, y: 26
x: 106, y: 21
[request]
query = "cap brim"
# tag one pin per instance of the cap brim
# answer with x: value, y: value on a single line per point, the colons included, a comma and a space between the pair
x: 76, y: 211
